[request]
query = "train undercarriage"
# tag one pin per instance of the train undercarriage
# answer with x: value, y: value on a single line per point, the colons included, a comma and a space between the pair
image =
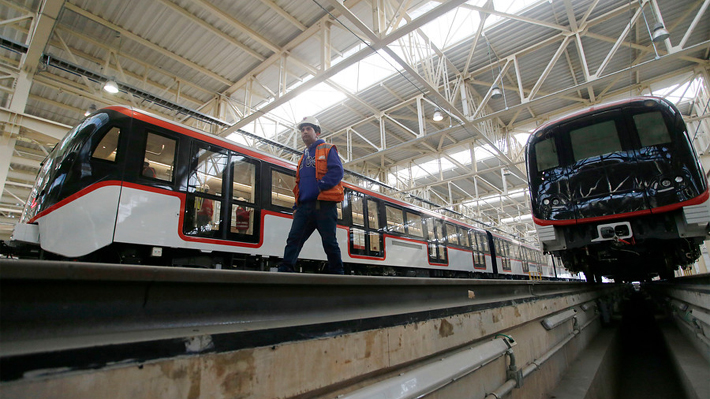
x: 632, y: 260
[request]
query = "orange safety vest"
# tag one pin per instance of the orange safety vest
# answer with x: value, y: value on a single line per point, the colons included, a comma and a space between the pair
x: 335, y: 193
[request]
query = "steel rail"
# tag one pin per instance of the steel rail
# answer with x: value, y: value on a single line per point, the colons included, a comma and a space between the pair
x: 78, y: 315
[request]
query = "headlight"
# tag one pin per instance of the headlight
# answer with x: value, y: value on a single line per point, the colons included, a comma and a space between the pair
x: 679, y: 179
x: 665, y: 183
x: 546, y: 201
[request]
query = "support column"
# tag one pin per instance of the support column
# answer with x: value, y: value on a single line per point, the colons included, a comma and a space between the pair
x: 7, y: 146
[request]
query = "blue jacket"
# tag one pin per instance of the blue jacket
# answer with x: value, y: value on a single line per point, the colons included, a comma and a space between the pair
x: 308, y: 187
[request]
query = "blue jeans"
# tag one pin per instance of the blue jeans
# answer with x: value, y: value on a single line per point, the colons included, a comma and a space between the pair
x: 320, y: 215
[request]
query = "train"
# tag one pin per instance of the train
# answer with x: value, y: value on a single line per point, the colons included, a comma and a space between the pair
x: 127, y: 186
x: 617, y: 190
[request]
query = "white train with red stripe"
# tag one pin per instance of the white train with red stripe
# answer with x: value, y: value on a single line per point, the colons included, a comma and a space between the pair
x: 126, y: 186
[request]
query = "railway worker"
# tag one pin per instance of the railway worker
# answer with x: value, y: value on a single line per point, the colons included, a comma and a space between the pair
x: 242, y: 217
x: 318, y: 191
x: 148, y: 171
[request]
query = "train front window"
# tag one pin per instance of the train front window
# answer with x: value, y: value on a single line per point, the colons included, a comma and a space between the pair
x: 159, y: 158
x: 652, y: 129
x: 597, y: 139
x: 546, y: 154
x: 108, y: 146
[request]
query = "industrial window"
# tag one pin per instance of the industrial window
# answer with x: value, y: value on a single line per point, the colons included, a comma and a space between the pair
x: 108, y: 145
x: 159, y: 157
x: 282, y: 185
x: 594, y: 140
x: 652, y: 129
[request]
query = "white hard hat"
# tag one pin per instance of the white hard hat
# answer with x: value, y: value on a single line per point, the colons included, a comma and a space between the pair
x: 310, y: 120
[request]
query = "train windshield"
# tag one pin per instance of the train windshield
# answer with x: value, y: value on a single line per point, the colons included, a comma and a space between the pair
x: 593, y: 140
x: 51, y: 165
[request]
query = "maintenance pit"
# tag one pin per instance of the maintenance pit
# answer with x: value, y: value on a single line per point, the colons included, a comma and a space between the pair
x: 73, y: 331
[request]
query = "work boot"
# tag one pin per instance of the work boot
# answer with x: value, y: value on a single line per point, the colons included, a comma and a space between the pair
x: 286, y: 269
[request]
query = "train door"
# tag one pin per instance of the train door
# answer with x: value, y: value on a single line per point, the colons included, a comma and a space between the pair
x: 437, y: 240
x: 501, y: 255
x: 365, y: 233
x: 479, y: 244
x: 206, y: 189
x: 244, y: 211
x: 525, y: 259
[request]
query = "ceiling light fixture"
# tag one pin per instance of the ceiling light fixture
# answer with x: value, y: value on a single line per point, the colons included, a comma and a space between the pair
x: 111, y: 86
x: 660, y: 33
x: 495, y: 90
x: 496, y: 93
x: 438, y: 116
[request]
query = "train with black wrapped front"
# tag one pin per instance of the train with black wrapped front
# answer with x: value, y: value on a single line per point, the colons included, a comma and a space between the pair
x: 126, y: 186
x: 618, y: 190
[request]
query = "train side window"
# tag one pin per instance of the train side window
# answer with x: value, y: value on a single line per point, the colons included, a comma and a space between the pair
x: 452, y: 236
x: 597, y: 139
x: 652, y: 129
x: 395, y: 219
x: 546, y: 154
x: 373, y: 224
x: 159, y: 157
x: 357, y: 238
x: 437, y: 240
x: 414, y: 225
x: 243, y: 179
x: 356, y: 206
x: 107, y: 147
x: 244, y: 219
x: 204, y: 216
x: 463, y: 233
x: 282, y: 185
x: 503, y: 253
x: 480, y: 248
